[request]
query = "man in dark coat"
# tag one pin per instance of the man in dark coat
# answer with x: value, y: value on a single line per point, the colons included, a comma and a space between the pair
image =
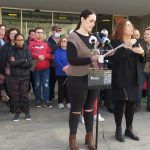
x: 146, y: 66
x: 53, y: 40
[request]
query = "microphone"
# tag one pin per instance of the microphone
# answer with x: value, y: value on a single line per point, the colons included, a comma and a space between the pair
x: 96, y: 34
x: 105, y: 40
x: 92, y: 39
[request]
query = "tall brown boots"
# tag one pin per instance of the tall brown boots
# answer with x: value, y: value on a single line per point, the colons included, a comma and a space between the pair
x: 73, y: 142
x: 89, y: 141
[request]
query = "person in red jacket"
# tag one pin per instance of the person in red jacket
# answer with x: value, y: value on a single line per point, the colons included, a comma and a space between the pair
x: 41, y: 54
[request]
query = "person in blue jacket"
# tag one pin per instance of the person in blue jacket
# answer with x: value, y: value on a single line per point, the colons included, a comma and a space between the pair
x: 61, y: 62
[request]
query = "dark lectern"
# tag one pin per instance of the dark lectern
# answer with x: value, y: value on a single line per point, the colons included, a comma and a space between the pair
x: 99, y: 79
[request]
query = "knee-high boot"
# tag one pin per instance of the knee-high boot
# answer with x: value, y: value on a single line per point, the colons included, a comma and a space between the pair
x: 90, y: 141
x: 72, y: 142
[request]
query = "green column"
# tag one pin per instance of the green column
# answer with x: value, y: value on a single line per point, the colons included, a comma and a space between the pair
x: 0, y: 15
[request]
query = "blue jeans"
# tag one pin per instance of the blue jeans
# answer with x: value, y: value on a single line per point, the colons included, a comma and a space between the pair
x: 146, y: 76
x: 41, y: 78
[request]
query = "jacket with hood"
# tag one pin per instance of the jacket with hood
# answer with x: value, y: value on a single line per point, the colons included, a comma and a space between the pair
x: 40, y: 48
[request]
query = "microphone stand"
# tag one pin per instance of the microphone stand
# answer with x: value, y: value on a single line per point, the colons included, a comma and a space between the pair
x: 99, y: 96
x: 97, y: 121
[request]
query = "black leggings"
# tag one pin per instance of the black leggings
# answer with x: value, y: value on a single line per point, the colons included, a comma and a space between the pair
x: 81, y: 98
x: 52, y: 82
x: 62, y: 89
x: 118, y: 112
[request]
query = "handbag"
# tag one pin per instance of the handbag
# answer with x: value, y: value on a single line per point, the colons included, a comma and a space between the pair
x: 99, y: 78
x: 3, y: 94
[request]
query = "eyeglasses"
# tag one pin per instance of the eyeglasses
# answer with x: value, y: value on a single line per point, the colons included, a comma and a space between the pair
x: 58, y: 30
x: 39, y: 32
x: 12, y: 33
x: 2, y: 29
x: 20, y: 40
x: 64, y: 41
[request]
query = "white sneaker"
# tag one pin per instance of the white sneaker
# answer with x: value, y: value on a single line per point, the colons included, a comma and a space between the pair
x: 68, y: 105
x: 61, y: 106
x: 100, y: 118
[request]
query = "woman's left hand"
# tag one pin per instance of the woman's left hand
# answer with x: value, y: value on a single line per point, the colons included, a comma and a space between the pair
x: 138, y: 50
x: 12, y: 58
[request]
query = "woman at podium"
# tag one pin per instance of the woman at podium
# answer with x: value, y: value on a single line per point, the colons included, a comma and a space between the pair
x: 80, y: 58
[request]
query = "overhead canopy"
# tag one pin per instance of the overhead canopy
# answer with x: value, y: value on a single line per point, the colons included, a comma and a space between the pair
x: 112, y: 7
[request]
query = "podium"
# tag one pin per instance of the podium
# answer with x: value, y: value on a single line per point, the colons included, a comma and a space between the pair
x: 99, y: 79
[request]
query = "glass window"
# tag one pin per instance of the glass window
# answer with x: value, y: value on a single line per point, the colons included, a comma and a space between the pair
x: 11, y: 18
x: 104, y: 22
x: 67, y: 21
x: 33, y: 19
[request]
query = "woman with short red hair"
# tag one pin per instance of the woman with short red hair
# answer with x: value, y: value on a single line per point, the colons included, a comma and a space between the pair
x: 126, y: 77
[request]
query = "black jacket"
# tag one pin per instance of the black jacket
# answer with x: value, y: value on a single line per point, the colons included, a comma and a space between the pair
x: 54, y: 46
x: 126, y: 73
x: 143, y: 45
x: 1, y: 43
x: 4, y: 53
x: 126, y: 70
x: 20, y: 68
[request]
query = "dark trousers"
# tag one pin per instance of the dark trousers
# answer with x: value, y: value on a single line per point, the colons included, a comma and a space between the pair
x: 119, y: 109
x: 52, y: 82
x: 62, y: 89
x: 8, y: 83
x: 19, y: 94
x: 145, y: 76
x: 81, y: 98
x: 31, y: 81
x: 8, y: 90
x: 108, y: 97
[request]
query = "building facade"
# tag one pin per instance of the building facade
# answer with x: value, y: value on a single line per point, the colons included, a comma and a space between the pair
x: 25, y: 19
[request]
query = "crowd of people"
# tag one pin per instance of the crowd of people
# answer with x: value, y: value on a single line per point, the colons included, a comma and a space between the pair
x: 29, y: 60
x: 38, y: 63
x: 49, y: 59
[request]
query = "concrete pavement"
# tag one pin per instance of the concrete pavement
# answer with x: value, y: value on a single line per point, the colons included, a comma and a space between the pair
x: 48, y: 130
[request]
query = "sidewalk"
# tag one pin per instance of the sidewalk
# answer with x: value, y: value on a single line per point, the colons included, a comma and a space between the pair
x: 48, y: 130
